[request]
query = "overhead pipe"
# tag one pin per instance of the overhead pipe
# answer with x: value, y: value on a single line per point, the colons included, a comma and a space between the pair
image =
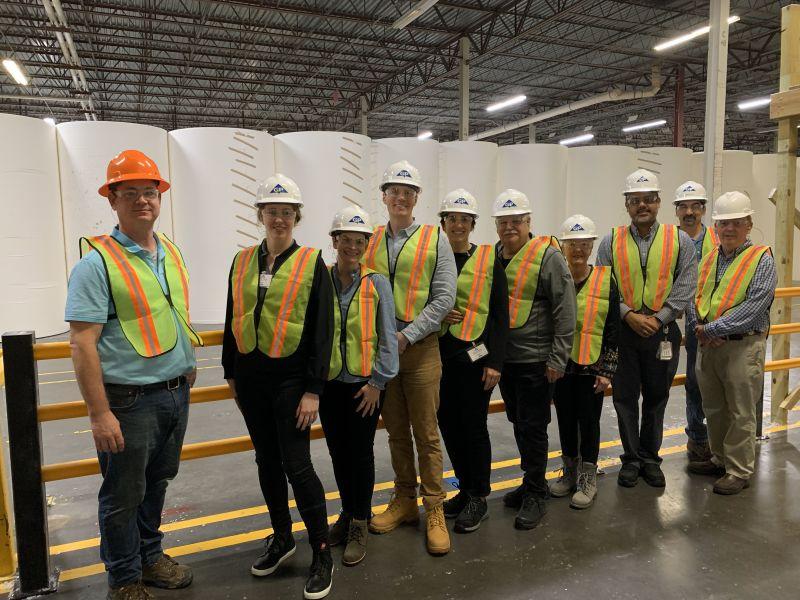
x: 40, y: 98
x: 615, y: 95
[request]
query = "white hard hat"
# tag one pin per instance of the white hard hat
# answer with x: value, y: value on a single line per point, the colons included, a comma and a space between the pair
x: 732, y: 205
x: 641, y: 180
x: 691, y: 190
x: 578, y: 227
x: 351, y: 218
x: 278, y: 189
x: 511, y: 202
x: 401, y: 172
x: 459, y: 201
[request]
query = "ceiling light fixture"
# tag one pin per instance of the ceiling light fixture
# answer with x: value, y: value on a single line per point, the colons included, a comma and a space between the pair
x: 577, y: 139
x: 413, y: 14
x: 754, y: 103
x: 648, y: 125
x: 424, y: 135
x: 681, y: 39
x: 506, y: 103
x: 15, y: 71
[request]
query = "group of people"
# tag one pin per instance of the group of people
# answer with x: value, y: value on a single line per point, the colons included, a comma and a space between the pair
x: 417, y: 324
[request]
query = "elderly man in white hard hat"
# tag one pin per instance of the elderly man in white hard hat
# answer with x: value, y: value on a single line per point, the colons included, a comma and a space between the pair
x: 420, y: 266
x: 656, y: 270
x: 730, y: 317
x: 690, y: 208
x: 541, y: 307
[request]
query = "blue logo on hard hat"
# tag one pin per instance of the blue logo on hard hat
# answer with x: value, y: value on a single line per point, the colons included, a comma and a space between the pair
x: 577, y: 227
x: 461, y: 201
x: 279, y: 189
x: 509, y: 204
x: 689, y: 188
x: 642, y: 179
x: 404, y: 173
x: 357, y: 219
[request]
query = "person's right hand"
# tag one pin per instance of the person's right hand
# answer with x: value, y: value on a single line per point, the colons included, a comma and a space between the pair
x: 642, y: 325
x: 107, y: 433
x: 232, y: 385
x: 453, y: 317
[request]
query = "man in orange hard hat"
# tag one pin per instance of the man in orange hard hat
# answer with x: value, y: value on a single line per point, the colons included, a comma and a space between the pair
x: 132, y: 346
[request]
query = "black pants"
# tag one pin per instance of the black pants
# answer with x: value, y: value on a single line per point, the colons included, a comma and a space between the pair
x: 283, y: 450
x: 578, y: 409
x: 527, y: 395
x: 641, y: 371
x: 350, y: 439
x: 463, y: 410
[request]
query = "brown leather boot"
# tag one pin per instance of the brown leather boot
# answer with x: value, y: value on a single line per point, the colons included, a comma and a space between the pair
x: 167, y: 574
x: 698, y: 452
x: 132, y: 591
x: 400, y: 511
x: 728, y: 485
x: 438, y: 536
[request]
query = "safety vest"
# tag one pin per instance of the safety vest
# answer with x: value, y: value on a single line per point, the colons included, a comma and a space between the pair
x: 651, y: 287
x: 523, y: 278
x: 283, y: 311
x: 413, y: 271
x: 473, y: 290
x: 714, y: 298
x: 145, y: 312
x: 593, y: 300
x: 710, y: 241
x: 360, y: 330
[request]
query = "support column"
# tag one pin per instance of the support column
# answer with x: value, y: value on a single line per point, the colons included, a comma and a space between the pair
x: 532, y: 134
x: 677, y: 126
x: 716, y: 79
x: 363, y: 115
x: 463, y: 89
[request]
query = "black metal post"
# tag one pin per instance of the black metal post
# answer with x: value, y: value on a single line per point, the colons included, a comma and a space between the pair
x: 25, y: 452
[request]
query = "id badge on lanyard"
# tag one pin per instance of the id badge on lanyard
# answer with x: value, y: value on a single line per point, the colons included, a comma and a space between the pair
x: 477, y: 352
x: 665, y: 347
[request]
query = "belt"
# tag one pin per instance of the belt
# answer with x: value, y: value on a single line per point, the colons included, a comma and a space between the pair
x: 172, y: 384
x: 736, y: 337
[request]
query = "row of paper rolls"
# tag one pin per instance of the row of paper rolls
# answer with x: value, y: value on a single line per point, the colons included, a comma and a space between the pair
x: 49, y: 178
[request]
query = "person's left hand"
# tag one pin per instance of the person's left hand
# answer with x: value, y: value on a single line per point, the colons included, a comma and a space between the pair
x: 453, y: 317
x: 370, y: 399
x: 601, y: 383
x: 402, y: 342
x: 490, y: 378
x: 191, y: 377
x: 553, y: 375
x: 307, y: 410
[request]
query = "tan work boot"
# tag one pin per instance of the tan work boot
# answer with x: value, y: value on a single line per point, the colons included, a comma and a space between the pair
x: 132, y: 591
x: 438, y: 536
x: 587, y: 487
x: 400, y: 511
x: 167, y: 574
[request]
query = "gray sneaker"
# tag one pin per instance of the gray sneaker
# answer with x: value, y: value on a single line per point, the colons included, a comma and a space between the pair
x: 132, y: 591
x: 356, y: 548
x: 565, y: 484
x: 587, y: 487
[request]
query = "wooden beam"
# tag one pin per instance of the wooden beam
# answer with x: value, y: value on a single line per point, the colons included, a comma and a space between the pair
x: 785, y: 104
x: 796, y: 213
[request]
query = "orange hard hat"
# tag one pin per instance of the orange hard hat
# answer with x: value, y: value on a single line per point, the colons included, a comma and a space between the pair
x: 129, y: 165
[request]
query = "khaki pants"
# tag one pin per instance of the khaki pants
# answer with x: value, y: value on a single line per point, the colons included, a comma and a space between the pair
x: 412, y: 399
x: 731, y: 380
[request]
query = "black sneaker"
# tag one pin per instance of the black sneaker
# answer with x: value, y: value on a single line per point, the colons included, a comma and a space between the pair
x: 454, y: 506
x: 337, y: 534
x: 531, y: 512
x: 320, y: 576
x: 513, y: 499
x: 628, y: 475
x: 276, y: 550
x: 469, y: 519
x: 653, y: 475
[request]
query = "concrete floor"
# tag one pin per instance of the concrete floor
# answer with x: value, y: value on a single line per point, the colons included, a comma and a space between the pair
x: 682, y: 542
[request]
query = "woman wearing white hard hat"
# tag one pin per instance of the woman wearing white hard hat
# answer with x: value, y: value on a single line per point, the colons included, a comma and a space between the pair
x: 275, y: 354
x: 472, y: 344
x: 363, y: 360
x: 579, y: 394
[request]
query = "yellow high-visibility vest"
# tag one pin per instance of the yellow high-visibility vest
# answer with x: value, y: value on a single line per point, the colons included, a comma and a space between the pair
x: 523, y: 278
x: 714, y: 299
x: 592, y: 301
x: 473, y: 291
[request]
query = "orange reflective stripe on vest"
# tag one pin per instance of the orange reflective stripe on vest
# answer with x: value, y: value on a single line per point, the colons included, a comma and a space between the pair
x: 527, y: 272
x: 473, y: 308
x: 665, y: 265
x: 592, y: 301
x: 710, y: 241
x: 243, y: 263
x: 366, y: 302
x: 416, y: 271
x: 715, y: 298
x: 624, y: 277
x: 287, y: 302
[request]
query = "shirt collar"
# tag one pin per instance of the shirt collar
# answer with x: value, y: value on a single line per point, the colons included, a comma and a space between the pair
x: 406, y: 232
x: 653, y: 229
x: 262, y: 248
x: 132, y: 246
x: 748, y: 242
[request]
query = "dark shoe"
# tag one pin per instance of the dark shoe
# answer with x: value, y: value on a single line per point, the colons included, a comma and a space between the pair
x: 728, y: 485
x: 166, y: 574
x: 628, y: 475
x: 698, y: 451
x: 276, y: 550
x: 706, y: 467
x: 356, y: 548
x: 320, y: 576
x: 653, y: 475
x: 514, y: 498
x: 132, y: 591
x: 531, y: 512
x: 454, y: 506
x: 337, y: 534
x: 470, y: 518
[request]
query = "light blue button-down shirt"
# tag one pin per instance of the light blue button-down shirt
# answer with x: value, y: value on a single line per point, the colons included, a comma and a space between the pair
x: 89, y: 300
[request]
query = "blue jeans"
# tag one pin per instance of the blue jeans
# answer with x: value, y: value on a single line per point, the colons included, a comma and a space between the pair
x: 695, y: 417
x: 131, y: 497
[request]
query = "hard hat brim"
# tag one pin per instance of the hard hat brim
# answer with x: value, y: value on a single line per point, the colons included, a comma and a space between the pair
x: 398, y: 181
x: 367, y: 232
x: 578, y: 237
x: 702, y: 199
x: 163, y: 184
x: 263, y: 201
x: 726, y: 217
x: 648, y: 190
x: 511, y: 212
x: 466, y: 211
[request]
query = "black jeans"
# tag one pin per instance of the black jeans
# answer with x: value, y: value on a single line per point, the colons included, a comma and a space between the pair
x: 350, y: 439
x: 578, y: 408
x: 283, y: 450
x: 641, y: 371
x: 527, y: 395
x: 463, y: 410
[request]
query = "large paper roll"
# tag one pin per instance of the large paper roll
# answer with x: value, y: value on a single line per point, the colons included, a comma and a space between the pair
x: 673, y: 167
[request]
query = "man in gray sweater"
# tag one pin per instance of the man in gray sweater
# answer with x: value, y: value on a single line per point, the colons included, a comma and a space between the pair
x: 542, y: 312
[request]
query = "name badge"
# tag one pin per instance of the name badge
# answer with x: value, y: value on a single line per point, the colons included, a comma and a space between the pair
x: 264, y: 280
x: 477, y: 352
x: 665, y: 351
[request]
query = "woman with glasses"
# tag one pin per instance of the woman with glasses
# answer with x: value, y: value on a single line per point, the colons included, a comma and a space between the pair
x: 275, y: 355
x: 579, y: 394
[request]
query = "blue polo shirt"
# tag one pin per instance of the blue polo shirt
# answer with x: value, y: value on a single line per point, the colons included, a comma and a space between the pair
x: 89, y: 300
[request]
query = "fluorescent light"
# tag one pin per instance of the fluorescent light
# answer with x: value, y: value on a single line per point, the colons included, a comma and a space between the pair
x: 424, y: 135
x: 13, y: 69
x: 577, y: 139
x: 754, y: 103
x: 681, y: 39
x: 413, y: 14
x: 648, y: 125
x: 49, y: 120
x: 506, y: 103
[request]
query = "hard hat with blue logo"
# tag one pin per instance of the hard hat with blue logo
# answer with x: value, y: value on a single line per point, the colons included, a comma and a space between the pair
x: 278, y: 189
x: 690, y: 190
x: 351, y: 218
x: 511, y: 202
x: 402, y: 172
x: 459, y: 201
x: 578, y: 227
x: 641, y: 180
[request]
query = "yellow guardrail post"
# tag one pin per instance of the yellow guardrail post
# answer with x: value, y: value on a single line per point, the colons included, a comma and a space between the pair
x: 7, y: 560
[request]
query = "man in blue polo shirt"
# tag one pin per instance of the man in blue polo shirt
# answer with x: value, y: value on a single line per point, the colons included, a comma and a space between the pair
x: 127, y: 306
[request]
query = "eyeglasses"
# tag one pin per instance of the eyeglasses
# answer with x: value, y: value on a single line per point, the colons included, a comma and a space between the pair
x: 284, y: 213
x: 648, y: 200
x: 357, y: 241
x: 460, y: 219
x: 693, y: 207
x: 515, y: 222
x: 399, y: 192
x: 132, y: 195
x: 580, y: 244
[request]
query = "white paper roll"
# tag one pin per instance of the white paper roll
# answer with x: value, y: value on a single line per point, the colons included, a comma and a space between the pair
x: 673, y: 167
x: 215, y: 172
x: 765, y: 177
x: 33, y: 279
